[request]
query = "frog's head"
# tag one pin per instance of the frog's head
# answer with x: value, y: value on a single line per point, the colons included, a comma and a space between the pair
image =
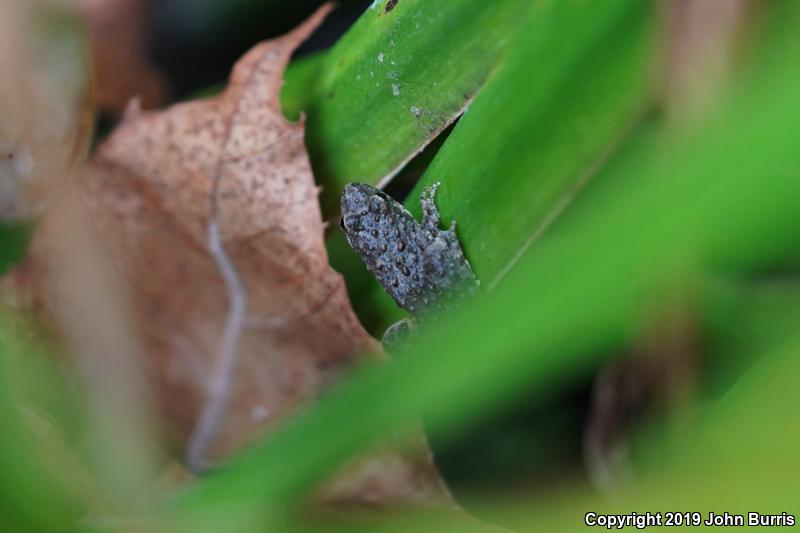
x: 359, y: 200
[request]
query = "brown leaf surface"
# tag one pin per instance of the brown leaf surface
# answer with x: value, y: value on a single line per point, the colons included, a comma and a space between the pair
x: 153, y: 188
x: 117, y: 32
x: 152, y: 182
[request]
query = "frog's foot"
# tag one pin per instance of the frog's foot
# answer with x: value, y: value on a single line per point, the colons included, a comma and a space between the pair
x: 430, y: 215
x: 398, y: 334
x: 452, y: 228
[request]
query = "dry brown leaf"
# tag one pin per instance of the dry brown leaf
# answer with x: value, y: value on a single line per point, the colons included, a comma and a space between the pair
x: 117, y: 32
x: 155, y: 190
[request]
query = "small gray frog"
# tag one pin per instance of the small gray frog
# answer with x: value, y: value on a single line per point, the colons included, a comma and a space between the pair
x: 420, y: 265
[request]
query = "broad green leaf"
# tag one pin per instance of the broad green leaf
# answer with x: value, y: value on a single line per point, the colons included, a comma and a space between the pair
x: 396, y: 80
x: 577, y: 80
x: 298, y: 79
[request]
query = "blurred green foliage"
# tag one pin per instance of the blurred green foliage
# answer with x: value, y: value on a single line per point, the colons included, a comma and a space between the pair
x: 28, y: 485
x: 14, y: 239
x: 581, y: 288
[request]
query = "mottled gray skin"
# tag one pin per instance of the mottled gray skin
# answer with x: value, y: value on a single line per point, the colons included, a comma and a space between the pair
x: 421, y: 266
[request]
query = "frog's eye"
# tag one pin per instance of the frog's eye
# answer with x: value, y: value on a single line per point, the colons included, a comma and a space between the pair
x: 351, y: 223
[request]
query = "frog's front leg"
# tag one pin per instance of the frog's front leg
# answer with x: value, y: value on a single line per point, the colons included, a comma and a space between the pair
x: 397, y: 335
x: 430, y: 215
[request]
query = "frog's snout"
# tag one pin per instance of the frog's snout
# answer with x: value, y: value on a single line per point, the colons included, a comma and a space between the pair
x: 352, y: 199
x: 355, y: 198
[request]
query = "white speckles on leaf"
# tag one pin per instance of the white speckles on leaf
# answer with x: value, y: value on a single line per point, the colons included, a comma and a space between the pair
x: 395, y: 89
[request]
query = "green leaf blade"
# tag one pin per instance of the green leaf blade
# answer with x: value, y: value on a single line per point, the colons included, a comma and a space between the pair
x: 396, y: 80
